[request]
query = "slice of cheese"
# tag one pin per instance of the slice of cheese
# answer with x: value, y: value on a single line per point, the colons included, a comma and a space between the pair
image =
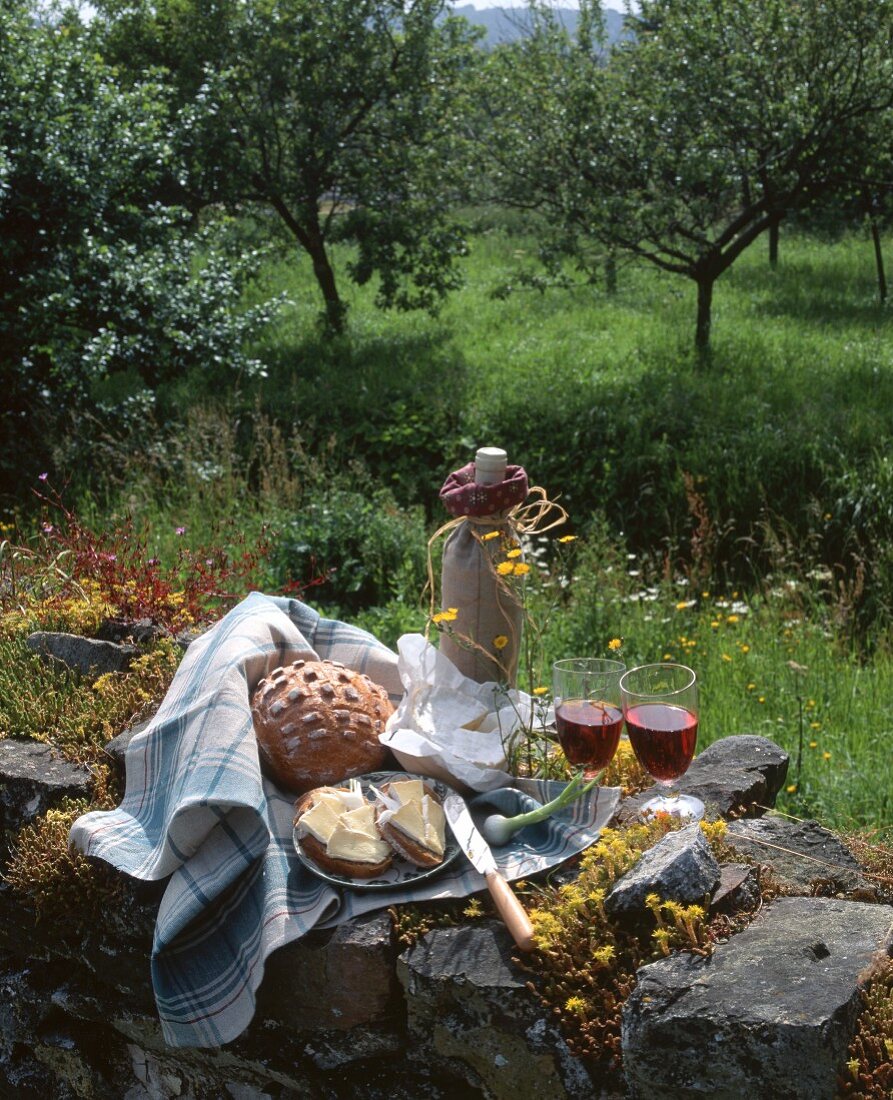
x: 361, y: 820
x: 422, y: 821
x: 407, y: 790
x: 356, y: 846
x: 321, y: 820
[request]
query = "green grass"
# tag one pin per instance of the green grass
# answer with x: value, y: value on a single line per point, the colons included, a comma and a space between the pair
x: 742, y: 474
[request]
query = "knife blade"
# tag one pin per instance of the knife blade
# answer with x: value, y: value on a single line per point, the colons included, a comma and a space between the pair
x: 481, y: 858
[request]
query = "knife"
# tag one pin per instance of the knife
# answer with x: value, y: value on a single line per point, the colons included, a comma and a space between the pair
x: 481, y: 858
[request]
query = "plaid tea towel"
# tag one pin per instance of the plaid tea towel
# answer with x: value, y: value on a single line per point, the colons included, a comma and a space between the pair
x: 198, y: 810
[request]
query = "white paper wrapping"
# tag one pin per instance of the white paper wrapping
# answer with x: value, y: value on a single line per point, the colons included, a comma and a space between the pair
x: 449, y: 726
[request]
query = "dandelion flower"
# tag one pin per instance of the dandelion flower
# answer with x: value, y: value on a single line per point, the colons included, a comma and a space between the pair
x: 516, y: 553
x: 540, y: 690
x: 614, y: 644
x: 750, y: 687
x: 815, y: 725
x: 826, y: 755
x: 521, y: 569
x: 668, y: 657
x: 762, y: 699
x: 490, y: 535
x: 733, y: 618
x: 500, y: 641
x: 682, y: 605
x: 791, y: 787
x: 744, y: 648
x: 505, y: 567
x: 726, y: 657
x: 568, y: 538
x: 813, y: 744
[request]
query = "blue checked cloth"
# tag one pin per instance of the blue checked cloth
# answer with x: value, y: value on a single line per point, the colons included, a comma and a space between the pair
x: 197, y: 810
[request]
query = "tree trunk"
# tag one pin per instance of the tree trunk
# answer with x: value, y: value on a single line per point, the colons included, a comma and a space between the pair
x: 611, y: 272
x: 773, y: 245
x: 311, y: 239
x: 879, y: 261
x: 705, y: 305
x: 325, y: 277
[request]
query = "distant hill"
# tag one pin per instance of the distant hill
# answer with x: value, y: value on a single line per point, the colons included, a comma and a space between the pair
x: 509, y: 24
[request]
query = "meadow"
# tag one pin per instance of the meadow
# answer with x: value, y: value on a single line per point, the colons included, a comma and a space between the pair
x: 736, y: 514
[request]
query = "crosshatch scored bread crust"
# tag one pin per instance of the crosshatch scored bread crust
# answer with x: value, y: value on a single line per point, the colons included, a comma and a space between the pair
x: 318, y: 722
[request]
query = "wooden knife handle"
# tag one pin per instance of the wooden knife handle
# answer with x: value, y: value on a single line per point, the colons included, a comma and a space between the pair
x: 511, y: 910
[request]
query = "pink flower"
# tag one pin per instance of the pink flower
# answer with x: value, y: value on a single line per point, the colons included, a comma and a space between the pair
x: 42, y: 477
x: 179, y: 530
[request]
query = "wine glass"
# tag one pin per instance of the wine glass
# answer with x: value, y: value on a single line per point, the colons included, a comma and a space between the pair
x: 660, y: 705
x: 588, y: 714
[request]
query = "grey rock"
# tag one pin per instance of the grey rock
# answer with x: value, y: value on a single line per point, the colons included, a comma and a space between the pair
x: 468, y: 1008
x: 742, y: 772
x: 88, y: 656
x: 680, y: 867
x: 33, y: 779
x: 346, y: 976
x: 770, y: 1014
x: 739, y: 889
x: 117, y: 747
x: 802, y: 855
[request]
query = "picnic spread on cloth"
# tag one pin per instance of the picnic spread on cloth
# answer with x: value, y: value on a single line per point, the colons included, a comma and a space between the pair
x: 199, y: 812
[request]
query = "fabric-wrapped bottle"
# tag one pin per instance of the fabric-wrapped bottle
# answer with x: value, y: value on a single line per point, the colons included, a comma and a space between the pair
x: 484, y: 639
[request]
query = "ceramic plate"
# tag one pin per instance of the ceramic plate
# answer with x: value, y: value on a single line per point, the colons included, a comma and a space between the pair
x: 400, y: 873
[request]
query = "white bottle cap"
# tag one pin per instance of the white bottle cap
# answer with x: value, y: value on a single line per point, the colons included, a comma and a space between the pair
x: 489, y: 465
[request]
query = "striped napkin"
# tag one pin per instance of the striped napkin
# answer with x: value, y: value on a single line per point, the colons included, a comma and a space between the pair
x: 198, y: 812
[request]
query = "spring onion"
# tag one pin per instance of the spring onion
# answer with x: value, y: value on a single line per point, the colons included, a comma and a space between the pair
x: 498, y: 829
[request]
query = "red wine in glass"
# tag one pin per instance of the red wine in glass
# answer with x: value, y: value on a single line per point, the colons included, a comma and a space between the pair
x: 588, y: 732
x: 660, y: 705
x: 663, y: 737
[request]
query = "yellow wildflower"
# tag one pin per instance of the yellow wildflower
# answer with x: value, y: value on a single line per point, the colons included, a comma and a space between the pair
x: 791, y: 787
x: 813, y: 744
x: 540, y: 690
x: 504, y: 568
x: 576, y: 1005
x: 568, y: 538
x: 473, y: 909
x: 715, y: 624
x: 726, y: 657
x: 521, y: 569
x: 744, y: 648
x: 447, y: 616
x: 815, y: 725
x: 732, y: 619
x: 667, y: 657
x: 762, y: 699
x: 826, y: 755
x: 750, y: 687
x: 500, y: 641
x: 516, y: 553
x: 614, y: 644
x: 490, y: 535
x: 681, y: 606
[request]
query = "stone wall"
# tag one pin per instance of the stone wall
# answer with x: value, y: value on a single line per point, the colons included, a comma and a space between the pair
x: 351, y: 1013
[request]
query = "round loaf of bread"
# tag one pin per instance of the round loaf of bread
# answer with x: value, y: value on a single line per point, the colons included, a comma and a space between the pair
x: 318, y: 722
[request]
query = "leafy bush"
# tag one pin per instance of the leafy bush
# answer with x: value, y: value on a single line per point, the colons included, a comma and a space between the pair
x: 102, y: 277
x: 366, y: 549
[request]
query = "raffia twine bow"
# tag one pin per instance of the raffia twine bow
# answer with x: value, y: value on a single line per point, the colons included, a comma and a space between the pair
x: 531, y: 517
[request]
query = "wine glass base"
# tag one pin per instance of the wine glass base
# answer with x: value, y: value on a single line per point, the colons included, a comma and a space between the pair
x: 683, y: 806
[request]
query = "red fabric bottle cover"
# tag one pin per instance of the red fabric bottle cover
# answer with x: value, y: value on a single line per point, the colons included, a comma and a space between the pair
x: 462, y: 496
